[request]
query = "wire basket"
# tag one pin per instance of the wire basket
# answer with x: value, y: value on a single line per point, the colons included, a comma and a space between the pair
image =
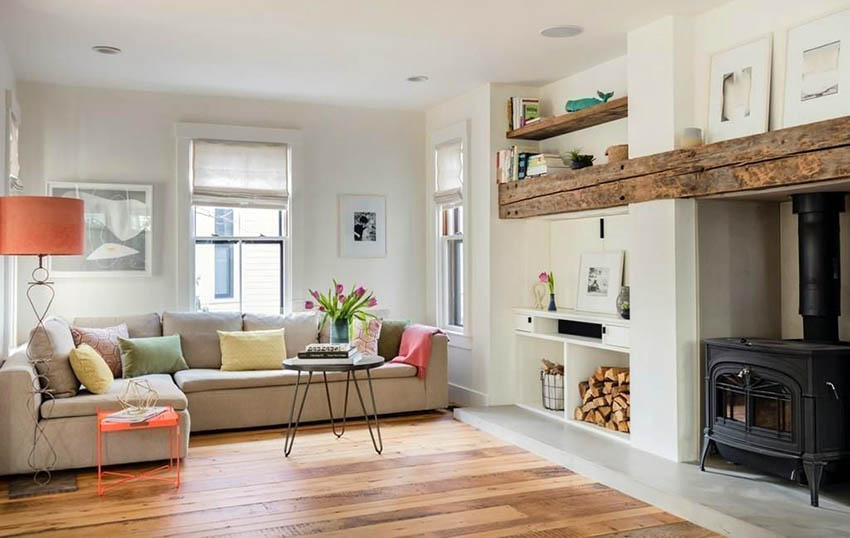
x: 552, y: 390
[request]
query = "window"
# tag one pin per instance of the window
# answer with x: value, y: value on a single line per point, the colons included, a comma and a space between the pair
x: 449, y: 146
x: 239, y: 206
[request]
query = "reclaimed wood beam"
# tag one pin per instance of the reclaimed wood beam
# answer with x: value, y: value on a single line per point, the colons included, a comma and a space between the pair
x: 800, y: 154
x: 614, y: 109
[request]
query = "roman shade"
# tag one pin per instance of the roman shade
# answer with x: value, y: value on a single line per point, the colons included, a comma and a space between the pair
x: 449, y: 168
x: 228, y: 174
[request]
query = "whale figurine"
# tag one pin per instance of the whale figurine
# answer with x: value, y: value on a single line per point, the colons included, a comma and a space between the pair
x: 574, y: 105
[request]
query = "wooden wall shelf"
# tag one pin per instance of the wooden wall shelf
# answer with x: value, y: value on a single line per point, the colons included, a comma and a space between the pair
x: 614, y: 109
x: 813, y: 153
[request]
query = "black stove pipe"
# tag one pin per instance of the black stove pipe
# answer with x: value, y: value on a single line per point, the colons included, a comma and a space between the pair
x: 820, y: 269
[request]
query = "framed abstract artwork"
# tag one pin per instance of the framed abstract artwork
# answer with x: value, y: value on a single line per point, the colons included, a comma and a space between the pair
x: 12, y: 165
x: 117, y: 228
x: 739, y: 96
x: 817, y: 73
x: 362, y: 226
x: 599, y: 280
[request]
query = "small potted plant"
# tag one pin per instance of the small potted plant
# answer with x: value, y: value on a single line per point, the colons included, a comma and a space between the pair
x: 579, y: 160
x: 341, y: 308
x: 549, y: 280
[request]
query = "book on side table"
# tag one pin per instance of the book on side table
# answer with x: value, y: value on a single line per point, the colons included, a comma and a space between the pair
x: 329, y: 354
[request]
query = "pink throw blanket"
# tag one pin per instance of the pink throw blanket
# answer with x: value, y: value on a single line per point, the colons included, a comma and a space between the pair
x: 415, y: 348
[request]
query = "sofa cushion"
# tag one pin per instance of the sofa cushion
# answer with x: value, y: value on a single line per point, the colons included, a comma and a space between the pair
x: 138, y: 326
x: 154, y: 355
x: 252, y: 350
x: 54, y: 343
x: 104, y: 341
x: 390, y: 339
x: 203, y: 379
x: 86, y: 404
x: 302, y: 328
x: 91, y: 369
x: 198, y: 335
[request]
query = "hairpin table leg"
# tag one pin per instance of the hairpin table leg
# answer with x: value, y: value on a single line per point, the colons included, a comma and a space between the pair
x: 379, y: 444
x: 290, y: 440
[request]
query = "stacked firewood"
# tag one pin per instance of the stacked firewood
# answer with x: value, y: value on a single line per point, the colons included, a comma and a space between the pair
x: 606, y: 400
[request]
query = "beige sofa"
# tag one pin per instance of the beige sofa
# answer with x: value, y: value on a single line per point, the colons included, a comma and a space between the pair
x: 205, y: 397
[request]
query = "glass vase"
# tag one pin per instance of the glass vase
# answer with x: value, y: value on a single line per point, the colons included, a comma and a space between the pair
x: 623, y: 303
x: 552, y: 306
x: 339, y: 331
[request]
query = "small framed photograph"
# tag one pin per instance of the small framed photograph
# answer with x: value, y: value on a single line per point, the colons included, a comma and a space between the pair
x: 117, y: 225
x: 362, y: 226
x: 599, y: 280
x: 739, y: 97
x: 817, y: 73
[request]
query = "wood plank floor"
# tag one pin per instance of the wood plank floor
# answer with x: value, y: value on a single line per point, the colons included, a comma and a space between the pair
x: 436, y: 477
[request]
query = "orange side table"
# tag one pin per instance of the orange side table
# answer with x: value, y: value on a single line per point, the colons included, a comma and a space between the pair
x: 168, y: 419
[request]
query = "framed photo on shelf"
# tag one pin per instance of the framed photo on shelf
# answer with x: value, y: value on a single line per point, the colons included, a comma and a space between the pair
x: 117, y: 230
x: 362, y: 226
x: 739, y: 95
x: 599, y: 280
x: 817, y: 73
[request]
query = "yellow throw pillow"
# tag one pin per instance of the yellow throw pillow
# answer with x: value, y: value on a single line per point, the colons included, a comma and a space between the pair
x: 252, y: 350
x: 91, y: 369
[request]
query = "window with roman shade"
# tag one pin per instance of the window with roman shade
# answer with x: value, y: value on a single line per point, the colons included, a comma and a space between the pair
x: 449, y: 171
x: 240, y: 198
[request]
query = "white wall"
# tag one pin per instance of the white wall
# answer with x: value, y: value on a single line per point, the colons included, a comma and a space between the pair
x: 72, y: 133
x: 7, y: 82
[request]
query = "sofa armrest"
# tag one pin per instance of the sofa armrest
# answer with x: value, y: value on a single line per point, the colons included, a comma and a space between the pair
x: 17, y: 378
x: 437, y: 374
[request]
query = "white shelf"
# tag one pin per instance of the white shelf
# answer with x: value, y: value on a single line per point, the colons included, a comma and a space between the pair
x: 575, y: 315
x: 575, y: 340
x: 560, y: 416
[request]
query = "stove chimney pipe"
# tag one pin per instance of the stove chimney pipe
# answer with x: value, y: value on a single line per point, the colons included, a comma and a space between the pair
x: 820, y: 269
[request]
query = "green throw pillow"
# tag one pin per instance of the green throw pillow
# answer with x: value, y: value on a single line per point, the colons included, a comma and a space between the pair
x: 155, y: 355
x: 390, y: 339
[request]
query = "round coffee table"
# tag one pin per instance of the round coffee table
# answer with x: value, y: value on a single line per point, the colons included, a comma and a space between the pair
x: 300, y: 365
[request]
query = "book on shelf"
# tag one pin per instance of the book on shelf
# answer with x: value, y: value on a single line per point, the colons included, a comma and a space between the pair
x: 521, y: 111
x: 512, y: 164
x: 543, y: 163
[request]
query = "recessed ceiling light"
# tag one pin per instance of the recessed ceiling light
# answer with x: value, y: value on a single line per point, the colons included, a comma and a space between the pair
x: 564, y: 30
x: 106, y: 49
x: 417, y: 78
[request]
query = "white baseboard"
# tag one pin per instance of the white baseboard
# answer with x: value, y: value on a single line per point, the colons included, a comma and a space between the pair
x: 465, y: 396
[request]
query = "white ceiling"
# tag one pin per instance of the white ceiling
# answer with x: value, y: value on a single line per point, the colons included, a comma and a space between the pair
x: 334, y: 51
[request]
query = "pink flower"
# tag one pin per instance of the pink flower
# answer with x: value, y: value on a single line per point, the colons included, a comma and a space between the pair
x: 339, y: 288
x: 373, y: 302
x: 543, y: 277
x: 315, y: 294
x: 360, y: 291
x: 309, y: 305
x: 321, y: 309
x: 341, y: 298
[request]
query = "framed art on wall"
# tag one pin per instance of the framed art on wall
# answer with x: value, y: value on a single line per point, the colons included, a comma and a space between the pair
x: 117, y: 228
x: 599, y: 279
x: 817, y: 73
x: 739, y: 95
x: 362, y: 226
x: 13, y: 128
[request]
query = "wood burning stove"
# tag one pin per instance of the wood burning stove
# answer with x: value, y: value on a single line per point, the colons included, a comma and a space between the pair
x: 783, y: 405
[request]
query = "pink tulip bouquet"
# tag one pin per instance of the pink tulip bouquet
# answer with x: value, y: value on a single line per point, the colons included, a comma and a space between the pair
x: 339, y: 306
x: 549, y: 279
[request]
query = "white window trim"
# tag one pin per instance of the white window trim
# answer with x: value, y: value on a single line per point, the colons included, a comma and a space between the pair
x: 185, y: 133
x: 459, y: 336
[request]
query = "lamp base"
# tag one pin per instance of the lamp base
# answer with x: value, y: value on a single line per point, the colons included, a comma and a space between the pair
x: 60, y: 482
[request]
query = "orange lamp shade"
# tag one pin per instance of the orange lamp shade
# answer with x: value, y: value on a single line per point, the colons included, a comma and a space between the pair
x: 37, y: 225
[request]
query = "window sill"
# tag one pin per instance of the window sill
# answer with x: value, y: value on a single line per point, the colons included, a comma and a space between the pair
x: 458, y: 339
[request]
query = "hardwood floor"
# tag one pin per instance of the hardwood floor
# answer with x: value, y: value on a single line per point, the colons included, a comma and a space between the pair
x: 436, y: 477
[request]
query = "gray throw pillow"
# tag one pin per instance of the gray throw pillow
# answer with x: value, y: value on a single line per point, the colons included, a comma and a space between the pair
x: 54, y: 342
x: 390, y: 339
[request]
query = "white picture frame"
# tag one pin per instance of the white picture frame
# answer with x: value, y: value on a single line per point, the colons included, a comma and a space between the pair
x: 118, y: 228
x: 599, y: 280
x: 739, y: 93
x: 362, y: 226
x: 817, y: 72
x: 11, y: 168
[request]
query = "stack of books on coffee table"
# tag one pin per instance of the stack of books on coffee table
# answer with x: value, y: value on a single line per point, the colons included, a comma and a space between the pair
x: 329, y: 354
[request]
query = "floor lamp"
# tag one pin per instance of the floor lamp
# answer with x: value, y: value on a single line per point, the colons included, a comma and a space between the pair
x: 40, y: 226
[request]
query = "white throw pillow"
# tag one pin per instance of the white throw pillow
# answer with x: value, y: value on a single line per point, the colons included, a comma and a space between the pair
x: 366, y: 334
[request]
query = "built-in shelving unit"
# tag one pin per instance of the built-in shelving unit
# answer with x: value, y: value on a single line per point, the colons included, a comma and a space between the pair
x: 537, y: 335
x: 615, y: 109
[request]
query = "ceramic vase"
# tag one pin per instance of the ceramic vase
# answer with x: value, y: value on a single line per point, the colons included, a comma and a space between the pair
x: 552, y: 306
